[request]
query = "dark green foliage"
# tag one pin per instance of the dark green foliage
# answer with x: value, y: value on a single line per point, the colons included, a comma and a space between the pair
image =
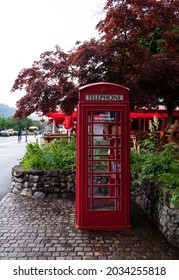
x: 150, y: 165
x: 57, y: 155
x: 161, y: 167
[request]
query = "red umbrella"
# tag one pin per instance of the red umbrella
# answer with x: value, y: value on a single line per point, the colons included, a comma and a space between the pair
x: 68, y: 122
x: 59, y: 116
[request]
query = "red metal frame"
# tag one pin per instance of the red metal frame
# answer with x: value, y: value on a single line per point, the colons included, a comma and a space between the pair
x: 103, y: 158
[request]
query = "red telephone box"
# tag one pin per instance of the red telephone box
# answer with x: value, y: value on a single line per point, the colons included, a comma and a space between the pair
x: 103, y: 157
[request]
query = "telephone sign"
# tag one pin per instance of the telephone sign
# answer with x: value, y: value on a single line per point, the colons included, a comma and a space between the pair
x: 104, y: 97
x: 103, y: 157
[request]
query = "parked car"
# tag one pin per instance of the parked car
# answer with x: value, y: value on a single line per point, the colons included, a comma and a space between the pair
x: 4, y: 133
x: 11, y: 131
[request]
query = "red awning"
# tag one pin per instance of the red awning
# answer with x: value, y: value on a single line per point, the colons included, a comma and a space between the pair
x: 59, y: 116
x: 140, y: 115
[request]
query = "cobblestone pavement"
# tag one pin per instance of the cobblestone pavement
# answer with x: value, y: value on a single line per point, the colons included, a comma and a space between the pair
x: 44, y: 229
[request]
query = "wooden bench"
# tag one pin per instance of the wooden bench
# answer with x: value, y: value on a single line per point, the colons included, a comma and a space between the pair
x: 50, y: 137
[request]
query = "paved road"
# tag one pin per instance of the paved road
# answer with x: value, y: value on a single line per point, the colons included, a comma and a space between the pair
x: 44, y: 229
x: 11, y: 152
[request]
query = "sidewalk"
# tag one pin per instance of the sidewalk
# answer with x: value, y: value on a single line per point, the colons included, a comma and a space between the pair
x: 44, y: 229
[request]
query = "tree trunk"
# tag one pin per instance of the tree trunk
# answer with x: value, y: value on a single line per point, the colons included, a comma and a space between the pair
x: 170, y: 113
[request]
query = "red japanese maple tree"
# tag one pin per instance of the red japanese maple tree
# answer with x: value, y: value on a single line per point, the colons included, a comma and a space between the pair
x: 46, y: 84
x: 141, y: 38
x: 138, y: 48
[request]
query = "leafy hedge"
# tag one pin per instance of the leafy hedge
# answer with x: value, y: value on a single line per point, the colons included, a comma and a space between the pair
x: 56, y: 154
x: 157, y: 166
x: 148, y: 163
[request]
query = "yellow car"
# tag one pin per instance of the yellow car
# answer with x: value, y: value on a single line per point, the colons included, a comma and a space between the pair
x: 11, y: 131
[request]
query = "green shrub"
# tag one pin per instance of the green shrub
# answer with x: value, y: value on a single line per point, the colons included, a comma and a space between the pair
x: 158, y: 166
x: 149, y: 144
x: 56, y: 154
x: 149, y: 165
x: 175, y: 198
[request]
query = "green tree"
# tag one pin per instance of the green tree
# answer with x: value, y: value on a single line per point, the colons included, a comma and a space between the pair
x: 22, y: 124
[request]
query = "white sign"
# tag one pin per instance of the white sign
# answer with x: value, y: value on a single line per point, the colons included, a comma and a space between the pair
x: 104, y: 97
x: 98, y: 129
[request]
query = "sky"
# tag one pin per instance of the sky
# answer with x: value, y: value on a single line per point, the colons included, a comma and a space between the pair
x: 31, y: 27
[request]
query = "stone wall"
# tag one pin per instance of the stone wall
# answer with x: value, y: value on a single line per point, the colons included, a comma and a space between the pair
x: 168, y: 219
x: 61, y: 184
x: 43, y: 183
x: 159, y: 209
